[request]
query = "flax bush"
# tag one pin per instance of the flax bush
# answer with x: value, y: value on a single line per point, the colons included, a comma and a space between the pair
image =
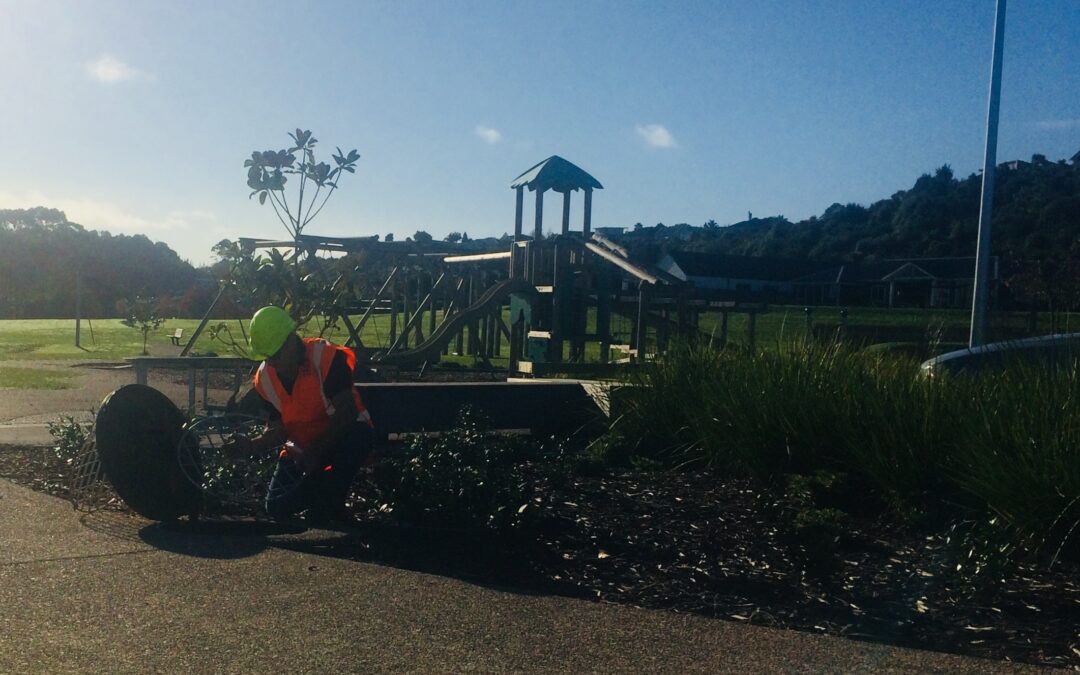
x: 1005, y: 444
x: 1020, y: 453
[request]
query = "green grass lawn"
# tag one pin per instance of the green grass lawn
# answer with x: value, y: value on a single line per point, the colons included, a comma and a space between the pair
x: 35, y: 378
x: 108, y: 339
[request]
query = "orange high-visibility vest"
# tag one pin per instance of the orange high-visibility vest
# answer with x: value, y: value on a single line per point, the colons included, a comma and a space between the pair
x: 305, y: 413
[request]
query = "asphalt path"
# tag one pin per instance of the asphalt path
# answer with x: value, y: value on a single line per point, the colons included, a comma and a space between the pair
x: 112, y: 593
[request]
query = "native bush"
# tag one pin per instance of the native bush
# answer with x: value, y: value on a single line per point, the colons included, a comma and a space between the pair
x: 69, y: 437
x: 467, y: 477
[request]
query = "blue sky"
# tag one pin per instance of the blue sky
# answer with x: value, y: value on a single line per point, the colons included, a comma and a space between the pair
x: 137, y: 116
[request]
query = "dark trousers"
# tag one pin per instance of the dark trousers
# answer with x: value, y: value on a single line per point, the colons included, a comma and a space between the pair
x: 321, y: 492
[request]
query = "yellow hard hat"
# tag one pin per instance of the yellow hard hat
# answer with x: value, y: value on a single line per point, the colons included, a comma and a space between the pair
x: 269, y: 328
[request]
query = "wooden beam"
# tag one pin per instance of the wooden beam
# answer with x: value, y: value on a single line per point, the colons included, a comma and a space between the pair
x: 378, y: 296
x: 354, y: 337
x: 418, y: 314
x: 202, y: 324
x: 621, y: 263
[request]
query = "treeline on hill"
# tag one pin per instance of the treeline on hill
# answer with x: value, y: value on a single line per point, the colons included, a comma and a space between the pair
x: 41, y: 252
x: 1036, y: 234
x: 1036, y: 228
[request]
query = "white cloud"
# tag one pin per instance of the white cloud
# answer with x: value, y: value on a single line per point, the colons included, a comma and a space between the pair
x: 1058, y: 125
x: 108, y: 69
x: 487, y: 134
x: 656, y: 135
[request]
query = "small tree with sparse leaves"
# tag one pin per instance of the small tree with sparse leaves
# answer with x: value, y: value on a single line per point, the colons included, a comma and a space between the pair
x: 142, y: 314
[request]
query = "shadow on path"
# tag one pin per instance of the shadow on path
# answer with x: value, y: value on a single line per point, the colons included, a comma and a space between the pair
x: 472, y: 557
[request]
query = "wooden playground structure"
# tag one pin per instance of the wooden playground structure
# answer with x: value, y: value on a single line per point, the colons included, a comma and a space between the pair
x: 566, y: 303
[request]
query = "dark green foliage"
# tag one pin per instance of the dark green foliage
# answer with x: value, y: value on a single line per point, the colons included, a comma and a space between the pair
x: 466, y: 478
x: 69, y: 437
x: 1036, y: 222
x: 41, y: 251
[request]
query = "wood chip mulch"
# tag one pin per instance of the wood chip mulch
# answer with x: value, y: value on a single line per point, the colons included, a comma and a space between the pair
x: 692, y: 543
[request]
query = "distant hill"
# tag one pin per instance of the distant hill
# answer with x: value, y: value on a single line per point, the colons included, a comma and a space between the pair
x: 1036, y: 217
x: 40, y: 251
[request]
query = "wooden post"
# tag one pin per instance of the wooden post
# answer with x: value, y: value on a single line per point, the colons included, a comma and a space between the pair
x: 517, y: 338
x: 393, y: 310
x: 662, y: 330
x: 421, y: 304
x: 501, y: 330
x: 470, y: 342
x: 406, y: 314
x: 603, y: 313
x: 481, y: 336
x: 684, y: 318
x: 191, y: 388
x: 558, y: 304
x: 723, y: 327
x: 566, y: 212
x: 431, y: 317
x: 517, y: 212
x: 538, y: 224
x: 752, y: 328
x: 587, y: 217
x: 642, y: 319
x: 460, y: 345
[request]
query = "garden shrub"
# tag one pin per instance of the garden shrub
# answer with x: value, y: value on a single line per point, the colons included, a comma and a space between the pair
x: 467, y: 477
x: 69, y: 437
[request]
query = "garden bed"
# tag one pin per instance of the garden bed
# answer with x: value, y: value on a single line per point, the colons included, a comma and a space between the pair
x: 723, y: 548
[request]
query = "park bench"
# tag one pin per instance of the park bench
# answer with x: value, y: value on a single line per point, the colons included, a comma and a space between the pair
x: 175, y: 337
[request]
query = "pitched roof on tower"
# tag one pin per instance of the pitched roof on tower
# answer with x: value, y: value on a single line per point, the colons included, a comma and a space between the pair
x: 555, y: 173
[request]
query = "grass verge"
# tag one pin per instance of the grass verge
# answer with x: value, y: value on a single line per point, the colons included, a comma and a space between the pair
x: 35, y: 378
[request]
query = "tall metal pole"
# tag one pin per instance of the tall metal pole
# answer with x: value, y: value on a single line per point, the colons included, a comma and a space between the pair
x: 982, y: 253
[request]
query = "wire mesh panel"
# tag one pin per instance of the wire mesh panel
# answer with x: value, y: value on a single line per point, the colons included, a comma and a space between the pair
x: 89, y: 490
x: 207, y: 458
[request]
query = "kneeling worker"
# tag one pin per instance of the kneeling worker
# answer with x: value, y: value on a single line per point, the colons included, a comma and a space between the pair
x: 315, y: 415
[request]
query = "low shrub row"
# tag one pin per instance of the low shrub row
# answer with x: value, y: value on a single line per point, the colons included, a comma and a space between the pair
x: 1004, y: 445
x: 468, y: 478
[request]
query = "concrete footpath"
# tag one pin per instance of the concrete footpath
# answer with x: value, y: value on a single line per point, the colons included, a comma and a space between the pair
x: 112, y: 593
